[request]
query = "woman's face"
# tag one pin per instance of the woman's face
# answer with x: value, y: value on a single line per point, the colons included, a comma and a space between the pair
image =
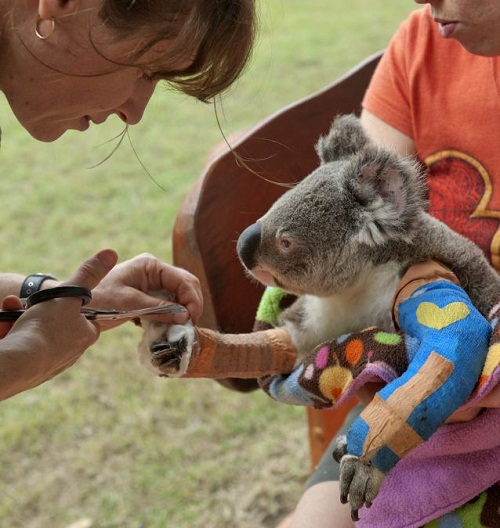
x: 474, y: 23
x: 71, y: 79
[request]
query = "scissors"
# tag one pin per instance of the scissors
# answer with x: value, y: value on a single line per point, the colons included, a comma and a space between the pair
x: 92, y: 314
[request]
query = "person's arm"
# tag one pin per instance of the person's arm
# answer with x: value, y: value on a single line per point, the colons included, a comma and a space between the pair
x: 385, y: 135
x: 52, y: 335
x: 10, y: 284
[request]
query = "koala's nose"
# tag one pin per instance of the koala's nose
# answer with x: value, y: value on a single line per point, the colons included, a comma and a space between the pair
x: 247, y: 245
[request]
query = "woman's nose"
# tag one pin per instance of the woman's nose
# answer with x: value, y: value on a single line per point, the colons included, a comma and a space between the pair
x: 132, y: 110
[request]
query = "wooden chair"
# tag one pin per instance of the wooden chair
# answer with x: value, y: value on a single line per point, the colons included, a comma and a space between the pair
x: 229, y: 196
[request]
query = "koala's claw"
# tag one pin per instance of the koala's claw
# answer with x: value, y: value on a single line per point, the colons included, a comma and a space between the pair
x: 166, y: 349
x: 359, y: 483
x: 167, y: 354
x: 340, y: 448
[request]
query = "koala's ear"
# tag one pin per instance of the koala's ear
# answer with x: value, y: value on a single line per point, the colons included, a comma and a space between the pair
x: 346, y: 137
x: 391, y: 195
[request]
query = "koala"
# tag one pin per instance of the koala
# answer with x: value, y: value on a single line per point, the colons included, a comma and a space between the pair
x: 340, y: 241
x: 343, y: 237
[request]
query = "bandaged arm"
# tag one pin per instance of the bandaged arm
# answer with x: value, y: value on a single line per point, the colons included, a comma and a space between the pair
x: 442, y: 374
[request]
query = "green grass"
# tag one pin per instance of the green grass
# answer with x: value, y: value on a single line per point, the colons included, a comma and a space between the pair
x: 104, y: 442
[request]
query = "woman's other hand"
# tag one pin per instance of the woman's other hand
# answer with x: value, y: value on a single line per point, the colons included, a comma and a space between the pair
x: 146, y: 281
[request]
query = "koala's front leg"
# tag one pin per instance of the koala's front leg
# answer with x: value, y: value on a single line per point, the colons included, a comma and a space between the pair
x: 194, y: 352
x: 166, y: 350
x: 360, y: 481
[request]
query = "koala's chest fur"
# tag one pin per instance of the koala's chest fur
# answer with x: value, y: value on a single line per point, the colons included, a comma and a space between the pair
x: 313, y: 320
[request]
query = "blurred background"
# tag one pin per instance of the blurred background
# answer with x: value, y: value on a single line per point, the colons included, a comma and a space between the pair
x: 105, y: 444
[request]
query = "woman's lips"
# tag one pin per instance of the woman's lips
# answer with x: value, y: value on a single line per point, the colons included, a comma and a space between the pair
x: 446, y: 29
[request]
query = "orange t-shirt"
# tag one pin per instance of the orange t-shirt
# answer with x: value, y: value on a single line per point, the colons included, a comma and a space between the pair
x: 448, y: 101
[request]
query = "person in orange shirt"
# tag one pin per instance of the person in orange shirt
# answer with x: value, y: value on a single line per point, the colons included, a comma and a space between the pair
x: 435, y: 95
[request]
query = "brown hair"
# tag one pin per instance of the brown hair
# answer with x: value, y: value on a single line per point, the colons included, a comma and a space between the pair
x: 215, y: 37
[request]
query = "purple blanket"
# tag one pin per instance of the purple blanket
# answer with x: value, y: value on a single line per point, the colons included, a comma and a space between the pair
x: 455, y: 465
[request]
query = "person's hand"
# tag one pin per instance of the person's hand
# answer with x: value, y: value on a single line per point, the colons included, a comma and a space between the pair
x: 146, y: 281
x: 50, y: 336
x: 491, y: 400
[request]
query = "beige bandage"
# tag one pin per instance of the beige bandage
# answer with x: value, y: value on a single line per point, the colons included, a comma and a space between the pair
x: 254, y: 355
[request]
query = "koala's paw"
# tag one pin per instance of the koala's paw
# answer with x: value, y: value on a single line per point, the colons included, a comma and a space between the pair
x: 359, y: 483
x: 166, y: 350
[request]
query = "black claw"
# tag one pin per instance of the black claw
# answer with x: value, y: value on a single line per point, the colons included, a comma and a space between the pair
x: 157, y: 347
x: 340, y: 450
x: 337, y: 456
x: 165, y: 354
x: 354, y: 515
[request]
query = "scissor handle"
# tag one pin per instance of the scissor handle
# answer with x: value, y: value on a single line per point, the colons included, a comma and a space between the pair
x: 47, y: 295
x: 10, y: 315
x: 58, y: 292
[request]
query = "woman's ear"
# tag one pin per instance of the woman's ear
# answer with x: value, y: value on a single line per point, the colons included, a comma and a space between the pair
x: 48, y: 9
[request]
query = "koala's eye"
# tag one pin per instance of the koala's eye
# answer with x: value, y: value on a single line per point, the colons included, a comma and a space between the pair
x: 285, y: 243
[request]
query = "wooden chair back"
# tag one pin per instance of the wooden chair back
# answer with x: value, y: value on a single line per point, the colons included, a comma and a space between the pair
x: 230, y: 195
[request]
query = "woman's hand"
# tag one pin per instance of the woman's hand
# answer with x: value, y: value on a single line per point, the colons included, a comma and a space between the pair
x: 146, y: 281
x: 51, y: 335
x: 464, y: 415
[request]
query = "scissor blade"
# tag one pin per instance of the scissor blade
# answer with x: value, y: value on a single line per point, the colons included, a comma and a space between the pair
x: 103, y: 314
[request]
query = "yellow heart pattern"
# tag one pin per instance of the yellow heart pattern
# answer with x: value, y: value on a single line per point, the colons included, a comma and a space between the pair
x: 432, y: 316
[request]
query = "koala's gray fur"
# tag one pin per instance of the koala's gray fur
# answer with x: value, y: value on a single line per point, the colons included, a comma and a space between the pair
x: 342, y: 238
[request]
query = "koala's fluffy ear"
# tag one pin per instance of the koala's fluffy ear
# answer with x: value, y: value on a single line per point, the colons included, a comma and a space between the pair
x: 391, y: 194
x: 346, y: 137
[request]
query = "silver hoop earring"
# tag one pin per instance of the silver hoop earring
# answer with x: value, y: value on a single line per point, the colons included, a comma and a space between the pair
x: 51, y: 30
